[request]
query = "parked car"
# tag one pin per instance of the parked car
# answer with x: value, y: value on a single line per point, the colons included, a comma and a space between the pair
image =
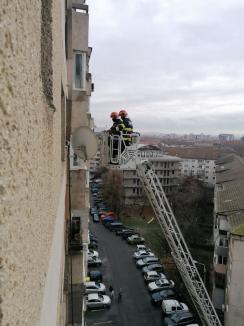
x: 120, y: 232
x: 95, y: 276
x: 141, y: 247
x: 93, y: 210
x: 113, y: 227
x: 142, y: 254
x: 97, y: 301
x: 135, y: 239
x: 146, y: 261
x: 160, y: 285
x: 158, y: 297
x: 92, y: 253
x: 95, y: 287
x: 108, y: 220
x: 152, y: 276
x: 171, y: 306
x: 153, y: 267
x: 128, y: 234
x: 94, y: 261
x: 92, y: 245
x: 180, y: 319
x: 95, y: 218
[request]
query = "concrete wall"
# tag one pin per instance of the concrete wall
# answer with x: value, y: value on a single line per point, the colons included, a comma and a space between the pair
x: 30, y: 127
x: 234, y: 314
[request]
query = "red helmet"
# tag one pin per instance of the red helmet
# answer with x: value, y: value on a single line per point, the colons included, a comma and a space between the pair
x: 122, y: 112
x: 114, y: 115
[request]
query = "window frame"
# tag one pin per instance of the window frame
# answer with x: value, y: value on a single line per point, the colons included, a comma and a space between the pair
x: 83, y: 71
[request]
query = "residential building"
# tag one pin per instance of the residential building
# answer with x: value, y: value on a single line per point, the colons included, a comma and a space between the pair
x: 226, y: 138
x: 166, y: 168
x: 45, y: 88
x: 228, y: 288
x: 196, y: 161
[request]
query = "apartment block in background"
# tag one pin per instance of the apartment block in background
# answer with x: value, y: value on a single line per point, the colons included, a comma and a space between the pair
x: 166, y: 168
x: 197, y: 162
x: 228, y: 285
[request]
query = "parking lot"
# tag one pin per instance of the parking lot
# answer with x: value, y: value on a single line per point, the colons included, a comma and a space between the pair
x: 119, y: 270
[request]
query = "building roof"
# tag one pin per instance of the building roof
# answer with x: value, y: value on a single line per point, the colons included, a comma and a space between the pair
x: 203, y: 153
x: 231, y: 197
x: 229, y: 168
x: 236, y: 222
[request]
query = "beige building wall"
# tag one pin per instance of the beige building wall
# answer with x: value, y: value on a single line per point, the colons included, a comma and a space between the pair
x: 234, y: 307
x: 32, y: 173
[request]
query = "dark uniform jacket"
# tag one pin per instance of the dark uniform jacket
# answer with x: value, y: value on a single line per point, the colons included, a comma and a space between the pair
x: 117, y: 127
x: 128, y: 125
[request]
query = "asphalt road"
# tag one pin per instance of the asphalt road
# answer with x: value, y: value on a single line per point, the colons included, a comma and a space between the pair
x: 120, y: 271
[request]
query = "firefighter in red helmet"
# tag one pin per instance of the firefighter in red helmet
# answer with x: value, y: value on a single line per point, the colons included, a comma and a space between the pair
x: 128, y: 126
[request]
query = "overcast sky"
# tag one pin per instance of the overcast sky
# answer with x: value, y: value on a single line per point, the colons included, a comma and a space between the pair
x: 176, y: 66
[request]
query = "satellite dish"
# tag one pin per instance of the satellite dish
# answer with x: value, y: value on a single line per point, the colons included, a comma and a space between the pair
x: 84, y: 143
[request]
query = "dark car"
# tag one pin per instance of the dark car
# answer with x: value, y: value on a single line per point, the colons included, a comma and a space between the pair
x: 107, y: 221
x: 158, y: 297
x: 113, y: 227
x: 92, y: 245
x: 95, y: 218
x: 153, y: 267
x: 95, y: 276
x: 180, y: 318
x: 93, y: 210
x: 128, y: 233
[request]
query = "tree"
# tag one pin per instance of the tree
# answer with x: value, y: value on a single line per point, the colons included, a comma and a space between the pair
x: 193, y: 208
x: 113, y: 191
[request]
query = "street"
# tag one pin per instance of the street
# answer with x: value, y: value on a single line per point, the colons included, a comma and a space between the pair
x: 119, y: 270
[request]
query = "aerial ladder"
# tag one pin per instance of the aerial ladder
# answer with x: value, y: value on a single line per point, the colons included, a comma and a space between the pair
x: 180, y: 252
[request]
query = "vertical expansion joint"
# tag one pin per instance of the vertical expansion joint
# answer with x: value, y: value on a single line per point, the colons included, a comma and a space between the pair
x: 47, y: 51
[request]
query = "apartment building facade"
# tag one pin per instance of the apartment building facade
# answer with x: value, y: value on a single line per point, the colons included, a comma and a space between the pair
x: 45, y: 89
x: 198, y: 162
x: 228, y: 289
x: 166, y: 168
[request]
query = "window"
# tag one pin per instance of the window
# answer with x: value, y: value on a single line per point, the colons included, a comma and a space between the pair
x: 134, y: 190
x: 79, y: 70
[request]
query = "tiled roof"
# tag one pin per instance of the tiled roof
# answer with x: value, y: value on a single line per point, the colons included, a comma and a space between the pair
x: 202, y: 152
x: 236, y: 222
x: 231, y: 197
x: 229, y: 168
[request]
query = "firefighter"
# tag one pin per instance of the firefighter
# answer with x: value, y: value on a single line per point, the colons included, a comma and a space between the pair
x: 118, y: 125
x: 128, y: 126
x: 116, y: 129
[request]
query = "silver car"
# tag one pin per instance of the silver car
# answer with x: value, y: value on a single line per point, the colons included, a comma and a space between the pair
x: 97, y: 301
x: 95, y: 287
x: 152, y: 276
x: 142, y: 254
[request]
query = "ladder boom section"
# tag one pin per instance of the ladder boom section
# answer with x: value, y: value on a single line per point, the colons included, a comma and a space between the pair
x: 177, y: 244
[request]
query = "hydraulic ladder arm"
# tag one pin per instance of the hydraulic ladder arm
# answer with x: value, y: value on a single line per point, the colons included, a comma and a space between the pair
x: 177, y: 244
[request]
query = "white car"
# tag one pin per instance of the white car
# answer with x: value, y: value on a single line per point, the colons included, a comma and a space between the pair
x: 171, y: 306
x: 152, y: 276
x: 141, y: 247
x: 94, y: 261
x: 95, y: 287
x: 135, y: 239
x: 160, y: 285
x: 96, y: 301
x: 142, y: 254
x: 92, y: 253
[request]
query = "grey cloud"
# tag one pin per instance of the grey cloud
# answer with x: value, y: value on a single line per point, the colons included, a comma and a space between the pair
x: 179, y: 65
